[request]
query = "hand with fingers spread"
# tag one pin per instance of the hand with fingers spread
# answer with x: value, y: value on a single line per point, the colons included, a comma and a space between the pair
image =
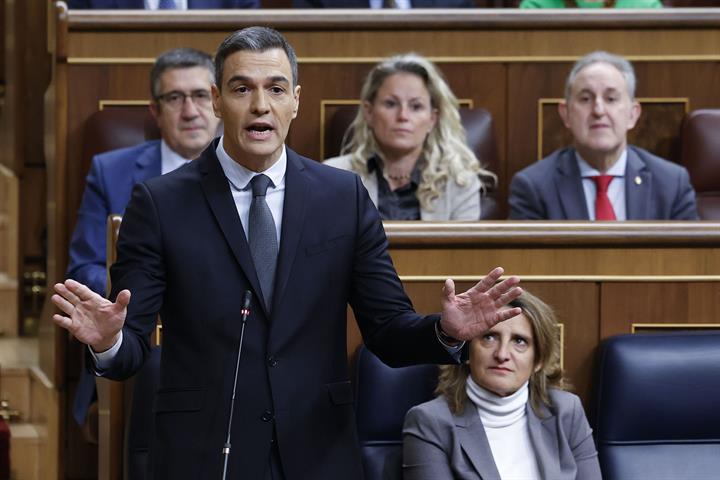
x: 467, y: 315
x: 92, y: 319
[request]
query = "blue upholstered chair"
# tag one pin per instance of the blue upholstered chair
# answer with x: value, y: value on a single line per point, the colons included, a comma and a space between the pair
x: 657, y: 406
x: 383, y: 397
x: 142, y: 418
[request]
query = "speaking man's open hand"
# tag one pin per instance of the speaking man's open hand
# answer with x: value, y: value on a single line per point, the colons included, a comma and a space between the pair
x: 92, y: 319
x: 466, y: 315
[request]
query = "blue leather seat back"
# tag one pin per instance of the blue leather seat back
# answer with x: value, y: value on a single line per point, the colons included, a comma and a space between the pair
x: 383, y: 397
x: 657, y: 404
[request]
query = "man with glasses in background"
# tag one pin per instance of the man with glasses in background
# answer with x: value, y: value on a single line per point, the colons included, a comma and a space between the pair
x: 180, y: 85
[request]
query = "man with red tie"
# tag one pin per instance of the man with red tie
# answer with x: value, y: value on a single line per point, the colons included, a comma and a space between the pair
x: 601, y: 177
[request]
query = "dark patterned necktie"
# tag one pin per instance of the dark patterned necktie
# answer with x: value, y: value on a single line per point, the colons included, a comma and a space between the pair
x: 263, y: 237
x: 167, y: 5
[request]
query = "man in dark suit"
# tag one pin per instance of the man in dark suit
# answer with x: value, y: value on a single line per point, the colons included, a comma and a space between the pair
x: 161, y: 4
x: 304, y: 245
x: 181, y: 81
x: 601, y: 177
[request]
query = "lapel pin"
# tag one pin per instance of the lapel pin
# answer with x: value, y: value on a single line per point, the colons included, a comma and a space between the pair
x: 638, y: 181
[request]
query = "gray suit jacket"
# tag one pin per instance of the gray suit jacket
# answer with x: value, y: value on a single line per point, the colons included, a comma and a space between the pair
x: 457, y: 203
x: 551, y: 189
x: 439, y: 444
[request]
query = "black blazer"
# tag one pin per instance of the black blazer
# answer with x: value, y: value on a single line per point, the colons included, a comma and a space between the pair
x: 182, y: 252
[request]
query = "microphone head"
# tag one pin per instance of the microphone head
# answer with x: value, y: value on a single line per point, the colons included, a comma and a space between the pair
x: 247, y: 297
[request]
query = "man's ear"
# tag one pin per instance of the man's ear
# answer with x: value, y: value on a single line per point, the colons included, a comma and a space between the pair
x: 635, y: 112
x: 296, y: 99
x: 154, y: 109
x: 216, y: 100
x: 563, y: 111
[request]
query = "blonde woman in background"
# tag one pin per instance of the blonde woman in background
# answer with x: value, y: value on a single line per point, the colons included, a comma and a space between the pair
x: 503, y: 415
x: 409, y: 147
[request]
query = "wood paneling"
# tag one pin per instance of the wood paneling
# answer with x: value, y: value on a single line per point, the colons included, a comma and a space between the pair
x: 674, y: 303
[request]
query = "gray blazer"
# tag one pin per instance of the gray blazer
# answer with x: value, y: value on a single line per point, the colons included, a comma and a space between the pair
x: 551, y: 189
x: 438, y: 444
x: 457, y: 203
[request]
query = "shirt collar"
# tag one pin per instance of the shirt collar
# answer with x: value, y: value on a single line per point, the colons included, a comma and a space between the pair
x: 617, y: 170
x: 239, y: 176
x: 170, y: 159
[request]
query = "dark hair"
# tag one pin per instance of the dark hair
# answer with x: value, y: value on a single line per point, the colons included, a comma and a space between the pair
x: 178, y: 58
x: 257, y: 39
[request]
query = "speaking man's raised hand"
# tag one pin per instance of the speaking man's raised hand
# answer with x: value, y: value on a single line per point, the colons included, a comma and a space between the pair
x: 467, y: 315
x: 92, y: 319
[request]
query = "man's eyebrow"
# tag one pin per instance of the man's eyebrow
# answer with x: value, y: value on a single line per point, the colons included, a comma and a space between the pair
x: 278, y: 79
x: 246, y: 79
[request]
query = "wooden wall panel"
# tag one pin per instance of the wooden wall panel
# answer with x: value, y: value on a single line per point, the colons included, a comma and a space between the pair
x: 481, y: 84
x: 627, y: 303
x: 88, y: 86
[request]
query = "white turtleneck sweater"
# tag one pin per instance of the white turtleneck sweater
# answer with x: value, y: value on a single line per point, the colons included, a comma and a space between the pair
x: 505, y: 423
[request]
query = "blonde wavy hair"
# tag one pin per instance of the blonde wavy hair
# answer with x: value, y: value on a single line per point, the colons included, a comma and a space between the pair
x: 445, y: 152
x: 546, y: 342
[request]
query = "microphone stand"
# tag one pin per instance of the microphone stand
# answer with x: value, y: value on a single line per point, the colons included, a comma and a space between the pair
x: 245, y: 312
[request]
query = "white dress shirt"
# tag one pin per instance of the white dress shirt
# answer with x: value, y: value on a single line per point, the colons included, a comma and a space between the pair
x: 616, y: 189
x: 153, y: 4
x: 239, y: 178
x: 400, y: 4
x: 169, y: 159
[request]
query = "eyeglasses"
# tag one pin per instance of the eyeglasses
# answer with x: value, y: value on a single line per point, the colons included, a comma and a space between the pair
x: 176, y: 99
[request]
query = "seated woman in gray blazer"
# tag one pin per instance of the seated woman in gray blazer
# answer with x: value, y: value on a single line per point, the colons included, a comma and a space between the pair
x: 502, y: 414
x: 409, y: 147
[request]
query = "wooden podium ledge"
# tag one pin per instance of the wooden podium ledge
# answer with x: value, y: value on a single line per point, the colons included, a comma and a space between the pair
x: 537, y: 233
x: 365, y: 19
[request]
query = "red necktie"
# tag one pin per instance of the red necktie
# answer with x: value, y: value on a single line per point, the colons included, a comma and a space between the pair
x: 603, y: 207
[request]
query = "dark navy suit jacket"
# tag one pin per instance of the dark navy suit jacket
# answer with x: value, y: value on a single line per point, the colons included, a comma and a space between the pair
x: 551, y: 189
x: 134, y: 4
x: 107, y: 191
x: 182, y: 252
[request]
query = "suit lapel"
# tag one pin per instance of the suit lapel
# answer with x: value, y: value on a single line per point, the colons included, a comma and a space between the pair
x: 474, y: 442
x: 296, y: 186
x: 568, y: 185
x: 148, y: 164
x: 638, y: 187
x: 217, y: 192
x: 543, y: 437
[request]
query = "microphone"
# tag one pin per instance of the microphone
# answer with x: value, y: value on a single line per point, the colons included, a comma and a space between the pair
x: 245, y: 312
